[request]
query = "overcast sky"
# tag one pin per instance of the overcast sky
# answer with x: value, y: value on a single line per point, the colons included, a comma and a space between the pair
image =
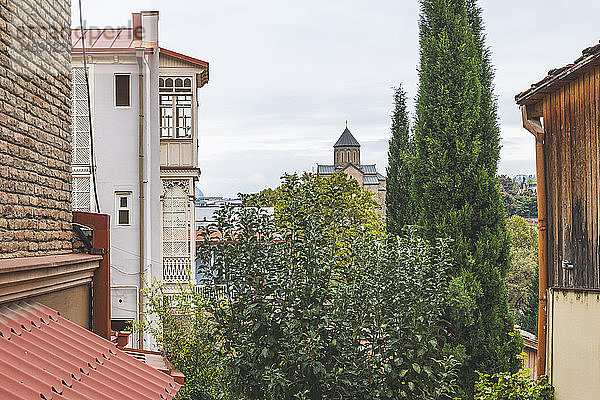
x: 286, y: 75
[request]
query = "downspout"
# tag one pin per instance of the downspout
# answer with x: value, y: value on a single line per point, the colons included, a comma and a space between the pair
x: 534, y: 126
x: 139, y: 53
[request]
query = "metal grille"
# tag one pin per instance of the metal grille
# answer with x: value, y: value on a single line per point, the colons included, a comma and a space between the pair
x: 176, y: 235
x: 81, y: 194
x: 81, y: 125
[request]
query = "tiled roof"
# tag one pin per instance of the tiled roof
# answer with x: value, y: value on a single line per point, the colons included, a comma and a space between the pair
x: 45, y: 356
x: 347, y: 140
x: 382, y: 188
x: 556, y: 76
x: 370, y: 180
x: 380, y: 177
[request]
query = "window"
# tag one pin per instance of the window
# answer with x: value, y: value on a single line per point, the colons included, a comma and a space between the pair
x: 175, y: 107
x: 123, y: 208
x: 122, y: 90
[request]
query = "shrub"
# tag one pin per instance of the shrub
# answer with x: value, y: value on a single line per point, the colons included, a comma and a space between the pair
x: 517, y: 386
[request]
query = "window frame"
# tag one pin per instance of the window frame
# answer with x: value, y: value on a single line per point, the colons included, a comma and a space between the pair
x: 118, y: 208
x: 178, y: 113
x: 128, y: 75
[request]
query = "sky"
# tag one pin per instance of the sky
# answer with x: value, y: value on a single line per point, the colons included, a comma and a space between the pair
x: 286, y: 75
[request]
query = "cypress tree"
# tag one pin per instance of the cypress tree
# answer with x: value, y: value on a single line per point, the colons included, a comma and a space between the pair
x: 455, y: 187
x: 397, y: 199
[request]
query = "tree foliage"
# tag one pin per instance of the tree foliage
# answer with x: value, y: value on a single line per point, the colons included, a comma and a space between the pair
x: 455, y: 186
x: 517, y: 386
x: 191, y: 343
x: 522, y: 278
x: 297, y: 326
x: 398, y: 195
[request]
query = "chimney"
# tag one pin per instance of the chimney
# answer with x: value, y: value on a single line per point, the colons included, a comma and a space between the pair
x: 150, y: 28
x: 136, y: 18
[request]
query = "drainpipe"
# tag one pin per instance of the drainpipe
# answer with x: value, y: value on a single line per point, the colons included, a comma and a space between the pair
x: 534, y: 126
x: 139, y: 53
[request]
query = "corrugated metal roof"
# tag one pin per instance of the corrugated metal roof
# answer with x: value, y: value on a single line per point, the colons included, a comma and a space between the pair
x: 45, y: 356
x: 370, y: 180
x: 326, y: 169
x: 368, y: 169
x: 347, y: 140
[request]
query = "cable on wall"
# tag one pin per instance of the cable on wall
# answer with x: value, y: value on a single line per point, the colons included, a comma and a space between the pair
x: 89, y: 104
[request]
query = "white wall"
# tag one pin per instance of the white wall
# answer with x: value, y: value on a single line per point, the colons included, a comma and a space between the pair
x: 116, y: 148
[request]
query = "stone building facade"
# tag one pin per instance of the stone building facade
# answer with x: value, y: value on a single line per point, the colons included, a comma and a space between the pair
x: 35, y: 128
x: 346, y: 159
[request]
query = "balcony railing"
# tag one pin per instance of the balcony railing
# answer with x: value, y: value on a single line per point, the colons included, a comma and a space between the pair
x: 212, y: 292
x: 177, y: 269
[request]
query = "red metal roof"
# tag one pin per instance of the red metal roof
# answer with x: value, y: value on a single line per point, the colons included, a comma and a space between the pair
x: 184, y: 57
x: 104, y: 40
x: 45, y: 356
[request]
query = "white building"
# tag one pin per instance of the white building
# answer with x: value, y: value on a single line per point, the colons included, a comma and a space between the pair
x: 144, y: 109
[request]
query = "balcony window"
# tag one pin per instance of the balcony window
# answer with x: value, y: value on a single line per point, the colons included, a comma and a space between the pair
x: 175, y: 108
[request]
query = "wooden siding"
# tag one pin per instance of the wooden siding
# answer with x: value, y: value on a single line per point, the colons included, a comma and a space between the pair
x: 572, y: 171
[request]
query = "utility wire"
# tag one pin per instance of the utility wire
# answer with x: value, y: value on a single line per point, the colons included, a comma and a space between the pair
x: 89, y: 104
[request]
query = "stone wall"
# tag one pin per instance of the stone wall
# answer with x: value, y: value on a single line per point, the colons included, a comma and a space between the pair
x: 35, y: 128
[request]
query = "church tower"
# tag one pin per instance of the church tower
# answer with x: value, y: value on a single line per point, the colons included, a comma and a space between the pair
x: 346, y: 150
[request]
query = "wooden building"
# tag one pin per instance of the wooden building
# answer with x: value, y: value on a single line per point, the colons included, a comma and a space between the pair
x: 562, y: 111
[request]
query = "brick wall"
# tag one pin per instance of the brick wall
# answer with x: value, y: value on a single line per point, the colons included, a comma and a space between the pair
x: 35, y: 126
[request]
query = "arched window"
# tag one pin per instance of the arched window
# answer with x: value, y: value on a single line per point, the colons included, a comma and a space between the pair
x: 349, y: 159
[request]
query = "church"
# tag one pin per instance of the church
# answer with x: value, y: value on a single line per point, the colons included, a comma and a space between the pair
x: 346, y: 158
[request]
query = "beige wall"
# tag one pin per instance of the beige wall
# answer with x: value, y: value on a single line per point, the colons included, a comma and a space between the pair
x: 72, y: 304
x: 574, y: 344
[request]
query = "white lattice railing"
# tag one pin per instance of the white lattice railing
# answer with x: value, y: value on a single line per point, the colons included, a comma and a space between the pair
x: 212, y: 292
x: 177, y: 269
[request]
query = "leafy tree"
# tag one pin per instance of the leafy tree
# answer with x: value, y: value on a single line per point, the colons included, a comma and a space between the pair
x: 398, y: 204
x: 508, y: 185
x: 506, y: 386
x: 526, y: 204
x: 522, y: 278
x: 189, y: 340
x: 522, y: 234
x: 265, y: 198
x: 294, y: 328
x: 455, y: 186
x: 529, y: 320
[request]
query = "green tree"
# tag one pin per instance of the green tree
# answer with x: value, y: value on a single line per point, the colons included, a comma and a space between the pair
x: 293, y: 328
x: 455, y: 186
x: 397, y: 200
x: 190, y: 341
x: 506, y: 386
x: 522, y: 278
x: 508, y: 185
x: 265, y: 198
x: 526, y: 204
